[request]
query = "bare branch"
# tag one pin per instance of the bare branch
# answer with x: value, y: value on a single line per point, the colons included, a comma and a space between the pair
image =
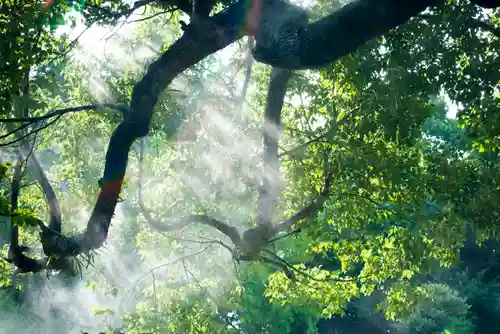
x: 151, y: 16
x: 297, y: 231
x: 32, y: 132
x: 59, y: 112
x: 67, y: 49
x: 231, y: 232
x: 317, y: 139
x: 182, y: 258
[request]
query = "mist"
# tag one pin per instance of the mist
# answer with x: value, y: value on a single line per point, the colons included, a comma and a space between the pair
x: 211, y: 164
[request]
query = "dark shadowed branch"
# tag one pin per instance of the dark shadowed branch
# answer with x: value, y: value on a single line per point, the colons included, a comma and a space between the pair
x: 322, y: 42
x: 26, y: 135
x: 283, y: 41
x: 270, y: 188
x: 64, y: 111
x: 56, y: 114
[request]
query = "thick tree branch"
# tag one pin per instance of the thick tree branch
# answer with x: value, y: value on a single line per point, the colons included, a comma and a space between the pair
x: 299, y: 48
x: 270, y: 188
x: 256, y: 238
x: 322, y: 42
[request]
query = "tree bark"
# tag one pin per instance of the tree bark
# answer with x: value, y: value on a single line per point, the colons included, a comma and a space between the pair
x: 322, y: 42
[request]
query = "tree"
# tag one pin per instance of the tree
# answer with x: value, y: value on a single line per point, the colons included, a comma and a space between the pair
x: 392, y: 191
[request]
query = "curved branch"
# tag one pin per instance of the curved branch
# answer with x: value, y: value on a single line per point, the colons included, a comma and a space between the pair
x: 27, y: 134
x: 64, y: 111
x: 203, y: 219
x: 231, y: 232
x: 322, y: 42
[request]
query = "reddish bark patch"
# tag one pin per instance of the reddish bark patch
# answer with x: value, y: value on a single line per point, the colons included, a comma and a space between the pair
x: 253, y: 18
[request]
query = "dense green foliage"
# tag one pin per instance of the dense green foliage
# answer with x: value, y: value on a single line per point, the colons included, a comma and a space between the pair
x: 406, y: 242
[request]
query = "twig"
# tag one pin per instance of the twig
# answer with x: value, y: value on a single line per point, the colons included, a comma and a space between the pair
x: 285, y: 235
x: 30, y: 133
x: 161, y: 266
x: 321, y: 137
x: 59, y: 112
x: 303, y: 273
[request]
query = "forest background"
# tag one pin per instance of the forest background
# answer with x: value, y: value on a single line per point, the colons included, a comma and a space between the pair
x: 250, y: 167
